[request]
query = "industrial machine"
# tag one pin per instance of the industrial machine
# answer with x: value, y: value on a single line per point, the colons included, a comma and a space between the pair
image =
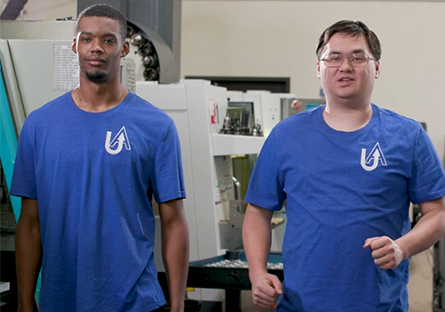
x: 230, y: 272
x: 213, y: 213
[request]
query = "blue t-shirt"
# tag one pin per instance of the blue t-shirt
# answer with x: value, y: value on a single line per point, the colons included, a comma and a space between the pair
x: 93, y: 175
x: 340, y: 189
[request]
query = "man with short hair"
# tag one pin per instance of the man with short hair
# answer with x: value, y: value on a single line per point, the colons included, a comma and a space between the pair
x: 87, y: 167
x: 348, y: 171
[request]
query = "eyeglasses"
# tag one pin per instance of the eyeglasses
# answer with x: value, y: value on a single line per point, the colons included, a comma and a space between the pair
x: 355, y: 59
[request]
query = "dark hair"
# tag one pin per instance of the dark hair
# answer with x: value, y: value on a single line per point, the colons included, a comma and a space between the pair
x: 104, y: 10
x: 353, y: 28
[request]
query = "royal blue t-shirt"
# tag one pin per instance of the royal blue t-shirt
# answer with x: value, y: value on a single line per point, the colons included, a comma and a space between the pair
x: 93, y: 175
x: 340, y: 189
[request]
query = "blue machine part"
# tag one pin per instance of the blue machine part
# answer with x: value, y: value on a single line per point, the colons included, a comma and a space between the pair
x: 8, y: 145
x: 8, y: 150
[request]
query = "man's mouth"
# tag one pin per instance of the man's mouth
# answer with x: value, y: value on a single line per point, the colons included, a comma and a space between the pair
x: 345, y: 79
x: 96, y: 61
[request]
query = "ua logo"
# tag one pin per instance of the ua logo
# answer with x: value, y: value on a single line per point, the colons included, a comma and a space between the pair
x: 120, y: 139
x: 371, y: 161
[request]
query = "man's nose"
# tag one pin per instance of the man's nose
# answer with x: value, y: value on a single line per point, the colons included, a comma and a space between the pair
x: 346, y: 64
x: 97, y: 46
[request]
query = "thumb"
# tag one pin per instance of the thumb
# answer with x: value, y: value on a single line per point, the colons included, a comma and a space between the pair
x: 276, y: 284
x: 369, y: 241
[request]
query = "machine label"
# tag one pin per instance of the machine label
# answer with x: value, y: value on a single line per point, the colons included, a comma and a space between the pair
x: 213, y: 112
x: 65, y: 68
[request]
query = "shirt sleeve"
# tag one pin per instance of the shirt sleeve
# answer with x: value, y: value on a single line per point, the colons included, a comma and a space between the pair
x: 427, y: 180
x: 23, y: 179
x: 168, y: 179
x: 265, y: 188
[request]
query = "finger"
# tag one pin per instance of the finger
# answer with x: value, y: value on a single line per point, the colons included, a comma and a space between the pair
x: 265, y: 302
x: 277, y: 286
x: 271, y: 287
x: 380, y: 253
x: 379, y: 242
x: 266, y: 298
x: 368, y: 242
x: 385, y: 264
x: 268, y: 292
x: 382, y: 260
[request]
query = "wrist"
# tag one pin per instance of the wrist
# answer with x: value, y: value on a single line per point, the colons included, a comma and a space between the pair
x: 403, y: 250
x: 25, y: 307
x: 177, y: 307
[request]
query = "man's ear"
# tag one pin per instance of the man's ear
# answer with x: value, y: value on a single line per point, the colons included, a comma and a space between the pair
x: 318, y: 69
x: 377, y: 69
x: 74, y: 45
x: 125, y: 48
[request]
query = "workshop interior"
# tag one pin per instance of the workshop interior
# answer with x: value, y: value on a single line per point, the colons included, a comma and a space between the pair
x: 221, y: 124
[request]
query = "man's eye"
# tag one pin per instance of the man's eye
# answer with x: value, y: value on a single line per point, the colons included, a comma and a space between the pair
x: 109, y: 41
x: 85, y: 39
x: 358, y: 57
x: 334, y: 58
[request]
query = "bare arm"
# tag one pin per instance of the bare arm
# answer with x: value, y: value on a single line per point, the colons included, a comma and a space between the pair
x: 431, y: 227
x: 257, y: 239
x: 175, y: 250
x: 28, y: 247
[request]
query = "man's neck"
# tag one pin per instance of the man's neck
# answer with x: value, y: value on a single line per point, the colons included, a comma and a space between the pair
x: 347, y: 118
x: 98, y: 97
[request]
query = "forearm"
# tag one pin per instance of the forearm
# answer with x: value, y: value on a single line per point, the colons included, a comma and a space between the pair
x: 28, y: 261
x: 429, y: 229
x: 175, y: 248
x: 257, y: 239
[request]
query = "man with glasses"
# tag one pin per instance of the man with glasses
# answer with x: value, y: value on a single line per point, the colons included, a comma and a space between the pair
x: 348, y: 171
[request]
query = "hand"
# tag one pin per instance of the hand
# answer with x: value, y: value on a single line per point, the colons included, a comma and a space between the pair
x: 265, y: 290
x: 387, y: 253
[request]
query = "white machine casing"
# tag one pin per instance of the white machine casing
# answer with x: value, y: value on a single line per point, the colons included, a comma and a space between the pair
x: 198, y: 109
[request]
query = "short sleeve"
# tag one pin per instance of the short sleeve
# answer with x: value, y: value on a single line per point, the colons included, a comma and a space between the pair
x: 427, y: 180
x: 265, y: 188
x: 168, y: 180
x: 24, y: 179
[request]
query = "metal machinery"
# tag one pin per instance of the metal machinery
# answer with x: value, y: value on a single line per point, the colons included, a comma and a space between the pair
x: 213, y: 213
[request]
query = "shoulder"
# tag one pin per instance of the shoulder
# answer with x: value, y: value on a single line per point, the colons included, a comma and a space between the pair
x: 396, y: 123
x: 301, y: 119
x: 391, y: 115
x: 144, y: 107
x: 48, y: 111
x: 51, y: 105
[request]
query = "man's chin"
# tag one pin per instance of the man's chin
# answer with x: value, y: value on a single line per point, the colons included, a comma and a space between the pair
x: 95, y: 77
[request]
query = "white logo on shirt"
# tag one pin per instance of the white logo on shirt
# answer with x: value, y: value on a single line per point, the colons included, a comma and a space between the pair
x: 371, y: 161
x: 120, y: 139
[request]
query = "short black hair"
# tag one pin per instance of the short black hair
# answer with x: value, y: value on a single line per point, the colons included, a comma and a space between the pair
x: 104, y: 10
x: 353, y: 28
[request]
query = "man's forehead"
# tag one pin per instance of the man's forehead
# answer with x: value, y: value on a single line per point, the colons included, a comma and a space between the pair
x: 346, y: 43
x: 90, y: 23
